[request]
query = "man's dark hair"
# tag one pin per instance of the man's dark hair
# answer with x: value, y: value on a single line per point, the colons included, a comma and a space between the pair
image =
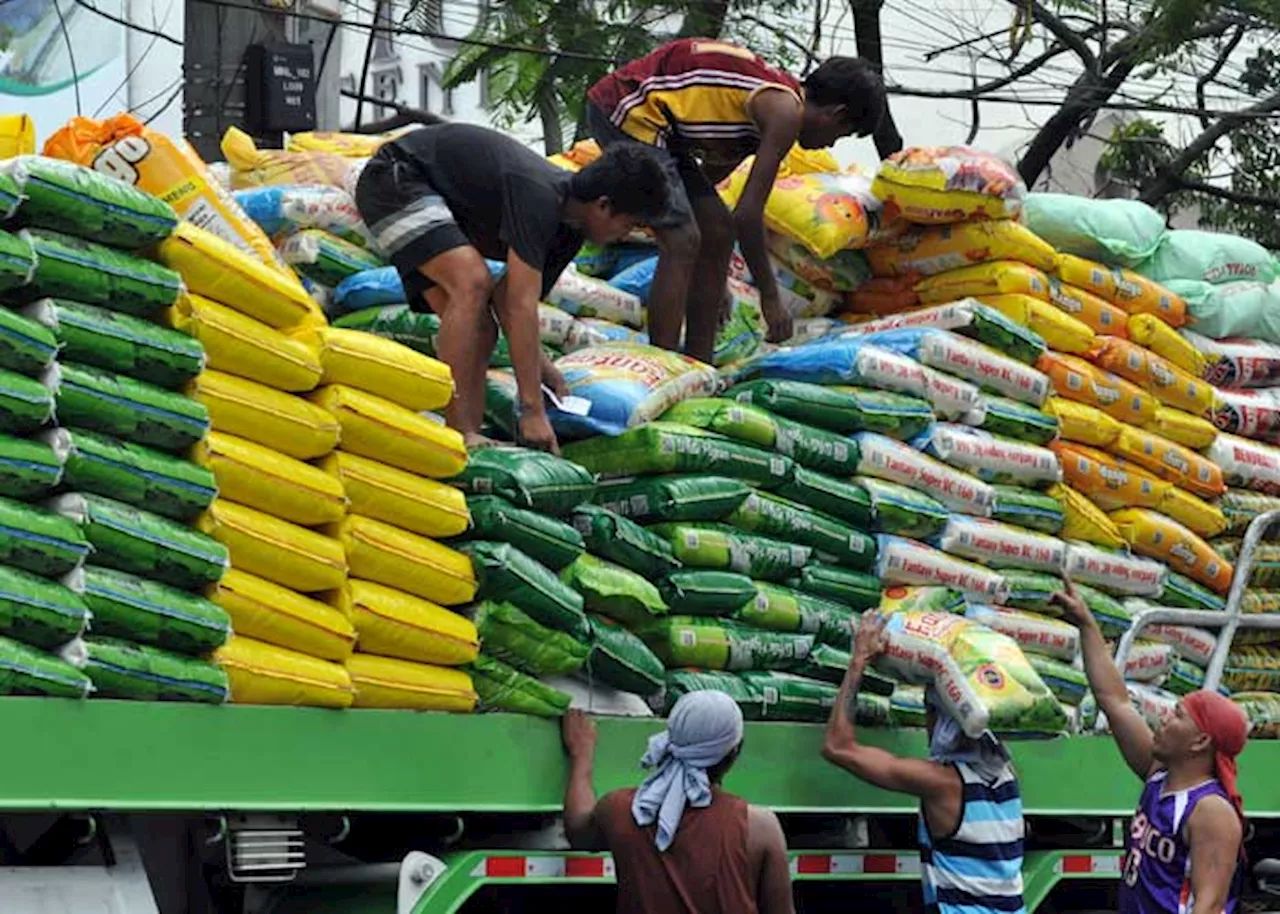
x: 853, y: 82
x: 630, y: 176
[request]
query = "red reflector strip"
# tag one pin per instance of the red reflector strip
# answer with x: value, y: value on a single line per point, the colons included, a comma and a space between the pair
x: 813, y: 865
x: 585, y: 867
x: 504, y: 867
x: 879, y: 863
x: 1075, y: 864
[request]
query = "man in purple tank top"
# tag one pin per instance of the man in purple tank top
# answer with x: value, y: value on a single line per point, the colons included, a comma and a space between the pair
x: 1184, y: 853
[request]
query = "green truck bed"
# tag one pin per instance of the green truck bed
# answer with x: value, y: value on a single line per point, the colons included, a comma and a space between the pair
x: 125, y: 756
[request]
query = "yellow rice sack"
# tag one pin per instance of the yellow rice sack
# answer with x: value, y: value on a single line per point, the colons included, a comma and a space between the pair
x: 219, y: 270
x: 1078, y: 380
x: 1184, y: 428
x: 277, y: 550
x: 1003, y: 277
x: 396, y: 624
x: 930, y: 250
x: 1162, y: 379
x: 381, y: 430
x: 382, y: 682
x: 1098, y: 314
x: 1082, y: 422
x: 253, y: 167
x: 264, y: 415
x: 349, y: 145
x: 938, y: 185
x: 128, y: 150
x: 244, y: 347
x: 1170, y: 461
x: 387, y: 555
x: 827, y: 213
x: 401, y: 499
x: 1084, y: 520
x: 274, y: 614
x: 268, y: 481
x: 1152, y: 332
x: 263, y: 674
x: 1196, y: 514
x: 380, y: 366
x: 1152, y: 534
x: 1059, y: 330
x: 1093, y: 277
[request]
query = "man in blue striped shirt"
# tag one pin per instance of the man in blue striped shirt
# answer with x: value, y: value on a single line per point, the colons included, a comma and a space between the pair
x: 971, y: 826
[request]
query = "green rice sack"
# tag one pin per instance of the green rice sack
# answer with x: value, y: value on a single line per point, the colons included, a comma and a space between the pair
x: 1240, y: 507
x: 142, y: 543
x: 613, y: 537
x: 830, y: 540
x: 132, y: 473
x: 794, y: 698
x: 119, y: 669
x: 25, y: 404
x: 718, y: 644
x: 504, y: 688
x: 1184, y: 677
x: 1179, y: 590
x: 415, y: 329
x: 699, y: 592
x: 917, y: 598
x: 839, y: 409
x: 613, y: 591
x: 1112, y: 617
x: 39, y: 541
x: 545, y: 539
x: 10, y: 196
x: 903, y: 511
x: 83, y: 271
x: 527, y: 478
x: 506, y: 574
x: 516, y: 639
x: 27, y: 671
x: 1028, y: 508
x: 748, y: 697
x: 648, y: 499
x: 71, y: 198
x: 325, y: 258
x: 17, y: 261
x: 124, y: 408
x: 1020, y: 421
x: 127, y: 606
x: 845, y: 501
x: 780, y: 609
x: 1252, y: 669
x: 810, y: 447
x: 28, y: 469
x: 907, y: 706
x: 38, y: 611
x: 119, y: 343
x: 1067, y: 684
x: 1032, y: 590
x: 26, y: 346
x: 727, y: 549
x: 849, y: 588
x: 621, y: 660
x: 829, y: 664
x: 664, y: 447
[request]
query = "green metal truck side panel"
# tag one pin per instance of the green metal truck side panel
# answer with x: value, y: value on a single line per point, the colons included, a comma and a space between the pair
x: 159, y: 756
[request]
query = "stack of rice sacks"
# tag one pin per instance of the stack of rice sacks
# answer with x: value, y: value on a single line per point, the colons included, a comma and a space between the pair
x: 100, y: 563
x: 321, y: 461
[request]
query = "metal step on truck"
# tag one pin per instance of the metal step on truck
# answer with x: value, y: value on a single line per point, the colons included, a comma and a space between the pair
x: 130, y: 808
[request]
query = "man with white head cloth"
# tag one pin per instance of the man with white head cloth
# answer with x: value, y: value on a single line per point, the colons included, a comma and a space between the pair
x: 680, y: 844
x: 971, y: 829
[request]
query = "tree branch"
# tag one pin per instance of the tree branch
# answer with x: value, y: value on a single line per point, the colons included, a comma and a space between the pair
x: 796, y: 43
x: 1243, y: 198
x: 870, y: 46
x: 1212, y: 73
x: 1064, y: 33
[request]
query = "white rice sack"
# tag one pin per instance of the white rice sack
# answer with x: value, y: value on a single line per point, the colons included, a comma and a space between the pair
x: 586, y: 296
x: 1237, y: 362
x: 965, y: 358
x: 886, y: 458
x: 1115, y: 572
x: 553, y: 326
x: 951, y: 397
x: 1034, y: 633
x: 806, y: 329
x: 1148, y: 661
x: 1246, y: 464
x: 998, y: 460
x: 998, y: 545
x: 914, y: 653
x: 1250, y: 413
x: 592, y: 331
x: 904, y: 561
x: 1195, y: 645
x: 1156, y: 705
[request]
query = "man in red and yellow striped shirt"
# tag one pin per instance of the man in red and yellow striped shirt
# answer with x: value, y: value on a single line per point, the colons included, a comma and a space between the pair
x: 709, y: 105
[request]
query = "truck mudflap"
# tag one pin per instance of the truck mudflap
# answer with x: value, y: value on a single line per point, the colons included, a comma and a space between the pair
x: 443, y: 886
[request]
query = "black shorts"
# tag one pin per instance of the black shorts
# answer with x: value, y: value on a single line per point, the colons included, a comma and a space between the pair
x: 686, y: 181
x: 409, y: 219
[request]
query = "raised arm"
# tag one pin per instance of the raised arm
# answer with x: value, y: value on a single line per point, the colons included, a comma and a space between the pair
x: 1131, y: 732
x: 1214, y: 832
x: 918, y: 777
x: 580, y: 827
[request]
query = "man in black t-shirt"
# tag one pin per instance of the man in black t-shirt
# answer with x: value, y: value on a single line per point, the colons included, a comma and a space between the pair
x: 443, y: 198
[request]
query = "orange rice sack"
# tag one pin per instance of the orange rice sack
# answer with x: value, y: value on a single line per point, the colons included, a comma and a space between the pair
x: 1154, y: 333
x: 1165, y: 381
x: 885, y: 296
x: 1152, y: 534
x: 929, y: 250
x: 1094, y: 278
x: 1076, y: 379
x: 1003, y: 277
x: 1111, y: 483
x: 1139, y: 295
x: 1091, y: 310
x: 1169, y: 460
